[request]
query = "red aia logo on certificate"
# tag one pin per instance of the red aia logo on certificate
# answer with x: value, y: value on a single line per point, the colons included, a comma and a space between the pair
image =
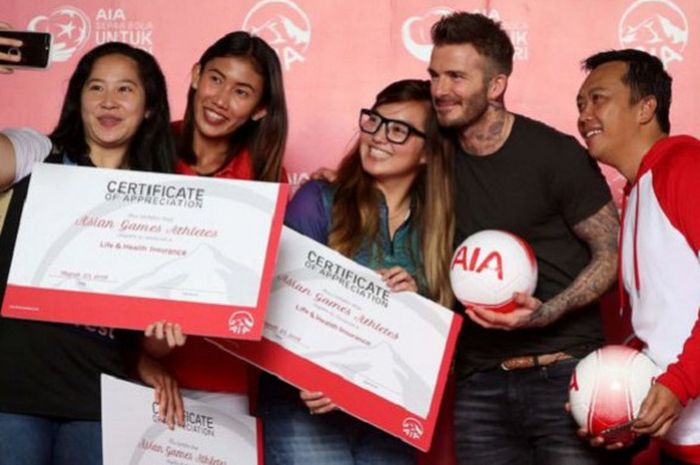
x: 241, y: 323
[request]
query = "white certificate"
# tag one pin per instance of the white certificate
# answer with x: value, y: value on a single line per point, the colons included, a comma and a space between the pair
x: 123, y: 248
x: 333, y: 326
x: 132, y: 434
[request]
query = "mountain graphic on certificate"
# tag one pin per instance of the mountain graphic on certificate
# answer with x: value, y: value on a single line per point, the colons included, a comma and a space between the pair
x: 381, y: 370
x: 203, y: 275
x: 74, y: 283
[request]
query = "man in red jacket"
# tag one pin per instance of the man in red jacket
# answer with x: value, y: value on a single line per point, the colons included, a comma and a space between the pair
x: 624, y: 119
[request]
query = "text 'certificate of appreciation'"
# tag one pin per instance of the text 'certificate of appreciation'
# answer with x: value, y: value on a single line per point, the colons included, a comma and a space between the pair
x: 123, y: 249
x: 333, y: 326
x: 132, y: 433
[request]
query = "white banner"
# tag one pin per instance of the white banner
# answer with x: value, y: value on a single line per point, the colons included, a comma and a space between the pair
x: 132, y: 433
x: 332, y: 325
x: 123, y: 248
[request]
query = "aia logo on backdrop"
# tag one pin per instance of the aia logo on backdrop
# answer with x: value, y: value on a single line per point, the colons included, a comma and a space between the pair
x: 517, y: 31
x: 69, y: 28
x: 415, y: 32
x: 113, y: 25
x: 283, y: 25
x: 658, y: 27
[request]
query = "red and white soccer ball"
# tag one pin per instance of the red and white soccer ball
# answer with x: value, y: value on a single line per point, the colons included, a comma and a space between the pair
x: 607, y: 388
x: 491, y: 265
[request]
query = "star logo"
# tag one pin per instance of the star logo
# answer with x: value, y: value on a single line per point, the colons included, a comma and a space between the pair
x: 69, y: 28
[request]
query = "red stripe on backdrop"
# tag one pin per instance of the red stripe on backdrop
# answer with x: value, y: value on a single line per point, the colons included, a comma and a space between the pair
x: 339, y: 54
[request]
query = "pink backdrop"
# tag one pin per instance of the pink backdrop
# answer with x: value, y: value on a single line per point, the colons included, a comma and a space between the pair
x: 337, y: 54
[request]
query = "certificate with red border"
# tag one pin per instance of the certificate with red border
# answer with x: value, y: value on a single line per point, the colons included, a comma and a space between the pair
x: 333, y: 326
x: 133, y: 434
x: 123, y: 249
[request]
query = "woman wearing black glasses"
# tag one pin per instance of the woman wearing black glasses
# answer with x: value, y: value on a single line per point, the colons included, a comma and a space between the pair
x: 390, y: 210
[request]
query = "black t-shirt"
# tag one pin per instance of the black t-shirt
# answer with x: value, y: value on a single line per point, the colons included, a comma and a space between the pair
x: 538, y: 185
x: 52, y: 369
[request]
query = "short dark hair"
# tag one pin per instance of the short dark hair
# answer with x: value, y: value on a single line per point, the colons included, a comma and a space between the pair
x: 645, y: 76
x: 484, y: 34
x: 152, y: 147
x: 266, y: 138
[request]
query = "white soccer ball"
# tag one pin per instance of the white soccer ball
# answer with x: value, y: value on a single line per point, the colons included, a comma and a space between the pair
x: 607, y: 388
x: 491, y: 265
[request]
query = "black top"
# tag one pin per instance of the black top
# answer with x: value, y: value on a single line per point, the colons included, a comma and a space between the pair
x: 52, y: 369
x: 538, y: 185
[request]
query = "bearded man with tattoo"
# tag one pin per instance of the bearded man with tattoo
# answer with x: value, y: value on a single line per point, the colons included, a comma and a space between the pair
x: 519, y: 175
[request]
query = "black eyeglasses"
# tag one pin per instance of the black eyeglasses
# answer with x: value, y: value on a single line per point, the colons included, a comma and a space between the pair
x: 397, y: 131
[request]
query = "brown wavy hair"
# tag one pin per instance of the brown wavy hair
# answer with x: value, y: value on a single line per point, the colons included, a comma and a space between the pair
x: 355, y: 208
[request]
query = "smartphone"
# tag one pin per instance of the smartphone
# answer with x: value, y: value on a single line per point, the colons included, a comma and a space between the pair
x: 35, y: 50
x: 621, y: 433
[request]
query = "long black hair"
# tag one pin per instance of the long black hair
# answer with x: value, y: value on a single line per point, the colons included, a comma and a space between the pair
x: 266, y: 138
x: 152, y: 147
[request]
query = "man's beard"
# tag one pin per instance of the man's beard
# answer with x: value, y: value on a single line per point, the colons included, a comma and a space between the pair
x: 474, y: 109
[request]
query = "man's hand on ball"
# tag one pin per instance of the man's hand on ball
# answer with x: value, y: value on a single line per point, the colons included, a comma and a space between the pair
x: 496, y: 320
x: 520, y: 317
x: 599, y: 441
x: 659, y: 410
x: 594, y: 441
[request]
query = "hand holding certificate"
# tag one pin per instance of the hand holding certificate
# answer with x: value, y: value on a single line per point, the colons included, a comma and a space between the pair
x: 124, y: 249
x: 133, y: 434
x: 334, y: 326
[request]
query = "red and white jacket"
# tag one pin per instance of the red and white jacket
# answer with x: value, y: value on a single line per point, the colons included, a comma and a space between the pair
x: 660, y: 268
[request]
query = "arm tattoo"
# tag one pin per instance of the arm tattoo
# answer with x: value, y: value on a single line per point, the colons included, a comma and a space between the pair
x: 599, y: 231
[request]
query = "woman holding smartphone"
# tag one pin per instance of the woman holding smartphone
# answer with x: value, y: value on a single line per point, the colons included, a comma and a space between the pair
x: 8, y: 42
x: 388, y: 209
x: 235, y: 126
x: 115, y: 115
